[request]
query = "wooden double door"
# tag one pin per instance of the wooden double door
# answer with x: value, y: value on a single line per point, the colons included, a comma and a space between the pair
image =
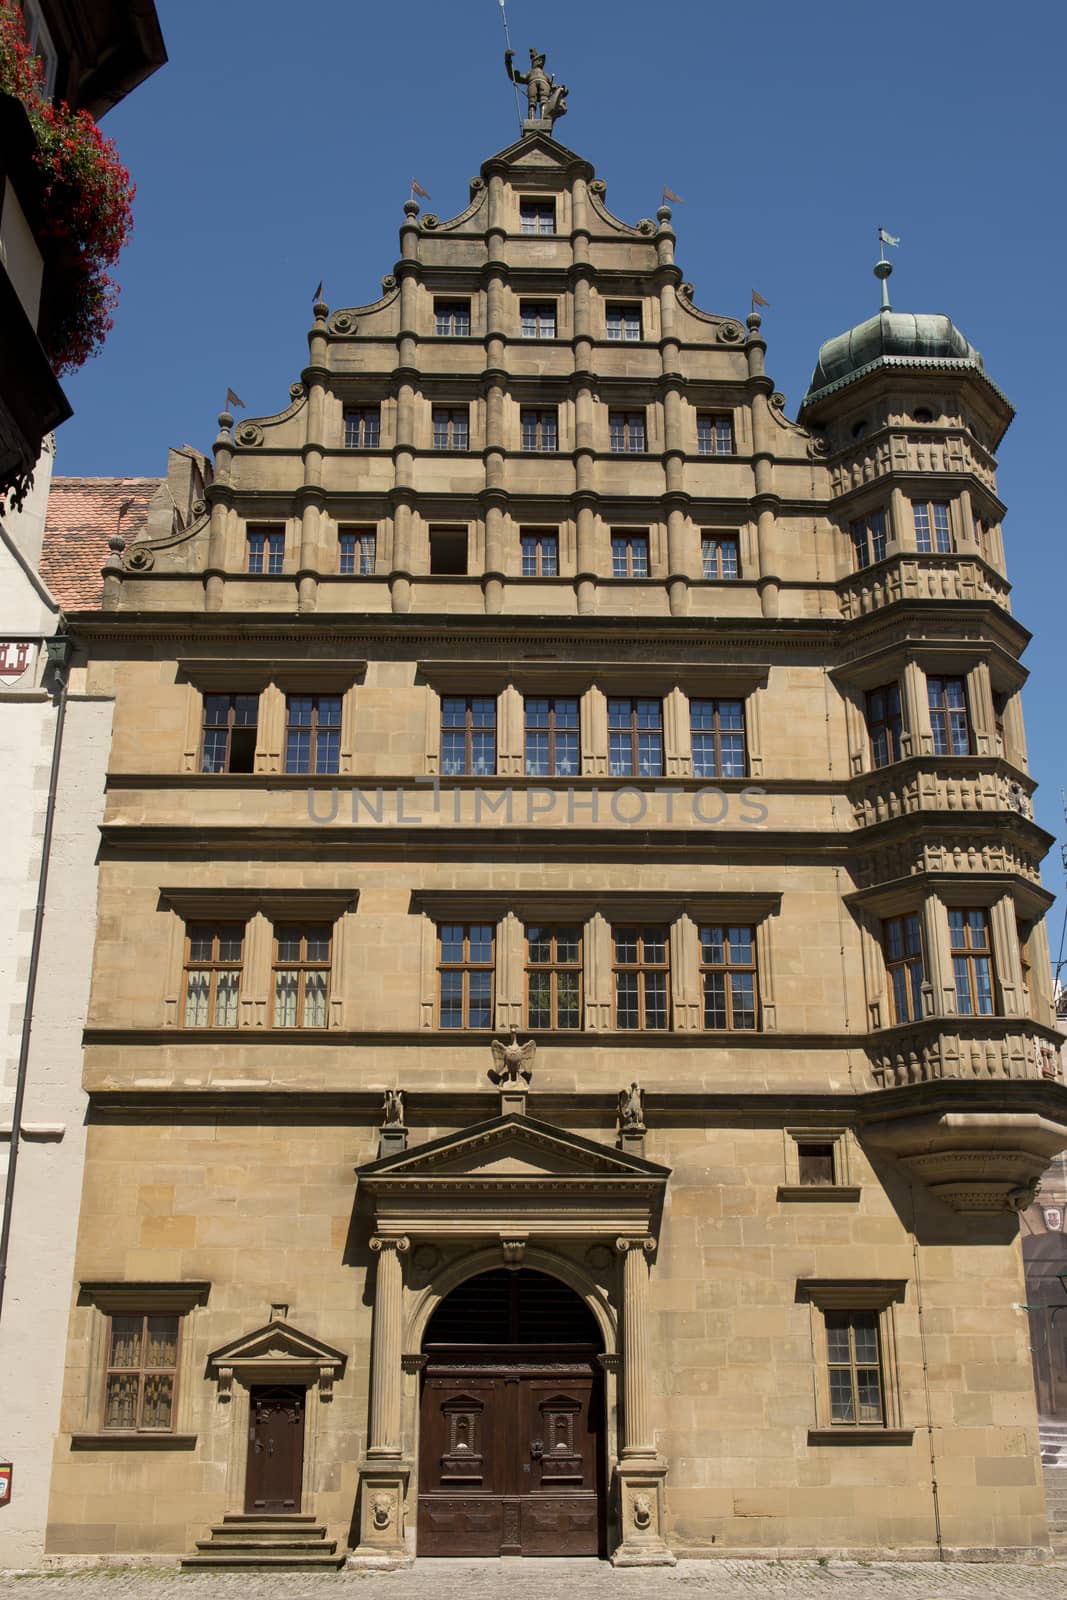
x: 510, y: 1459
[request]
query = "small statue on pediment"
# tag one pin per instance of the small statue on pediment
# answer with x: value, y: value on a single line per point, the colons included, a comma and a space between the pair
x: 632, y: 1107
x: 393, y: 1109
x: 546, y: 99
x: 512, y: 1062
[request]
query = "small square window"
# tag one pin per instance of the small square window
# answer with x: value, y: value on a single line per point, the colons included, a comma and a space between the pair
x: 629, y: 555
x: 540, y: 430
x: 817, y: 1166
x: 720, y: 557
x: 363, y: 427
x: 626, y: 431
x: 538, y: 318
x: 451, y: 428
x: 356, y: 550
x: 624, y: 324
x: 448, y: 552
x: 715, y: 434
x: 537, y: 216
x: 452, y: 319
x: 540, y: 553
x: 815, y: 1162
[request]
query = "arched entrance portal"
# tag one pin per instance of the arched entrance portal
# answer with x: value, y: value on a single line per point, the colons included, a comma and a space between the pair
x: 511, y: 1458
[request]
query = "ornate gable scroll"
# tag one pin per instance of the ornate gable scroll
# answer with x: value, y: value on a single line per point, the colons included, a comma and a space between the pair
x: 513, y: 1172
x: 277, y: 1353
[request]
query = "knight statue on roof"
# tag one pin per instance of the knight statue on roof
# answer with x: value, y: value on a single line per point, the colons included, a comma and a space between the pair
x: 546, y: 99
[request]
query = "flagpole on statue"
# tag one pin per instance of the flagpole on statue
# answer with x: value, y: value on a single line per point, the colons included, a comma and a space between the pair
x: 507, y: 41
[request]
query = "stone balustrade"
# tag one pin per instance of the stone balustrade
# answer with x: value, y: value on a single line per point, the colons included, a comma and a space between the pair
x: 920, y: 577
x: 960, y: 1047
x: 907, y: 788
x: 945, y: 451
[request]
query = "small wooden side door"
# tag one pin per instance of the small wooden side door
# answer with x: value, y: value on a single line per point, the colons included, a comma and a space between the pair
x: 464, y: 1472
x: 275, y: 1451
x: 559, y: 1424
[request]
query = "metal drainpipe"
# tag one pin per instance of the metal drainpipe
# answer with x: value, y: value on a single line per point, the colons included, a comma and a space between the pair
x: 31, y: 981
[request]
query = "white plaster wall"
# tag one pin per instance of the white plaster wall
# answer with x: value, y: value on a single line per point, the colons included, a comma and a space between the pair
x: 33, y: 1328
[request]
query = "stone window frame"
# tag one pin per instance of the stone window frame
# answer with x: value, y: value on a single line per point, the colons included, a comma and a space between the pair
x: 99, y: 1302
x: 877, y: 1295
x: 272, y: 682
x: 844, y: 1186
x: 932, y: 896
x: 596, y: 915
x: 593, y: 684
x: 259, y: 910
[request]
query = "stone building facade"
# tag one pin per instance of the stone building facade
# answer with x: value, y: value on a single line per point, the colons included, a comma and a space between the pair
x: 570, y: 1031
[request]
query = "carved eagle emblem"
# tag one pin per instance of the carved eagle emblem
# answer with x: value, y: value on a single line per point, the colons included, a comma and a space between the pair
x: 512, y: 1061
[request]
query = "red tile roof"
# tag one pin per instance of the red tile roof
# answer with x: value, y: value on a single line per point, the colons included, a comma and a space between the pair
x: 82, y: 515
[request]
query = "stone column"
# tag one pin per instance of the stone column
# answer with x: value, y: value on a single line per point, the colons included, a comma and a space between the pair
x: 640, y: 1473
x: 383, y: 1474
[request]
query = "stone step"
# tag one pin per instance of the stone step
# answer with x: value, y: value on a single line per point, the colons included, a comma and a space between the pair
x: 255, y: 1529
x: 267, y: 1545
x: 275, y: 1518
x: 297, y: 1561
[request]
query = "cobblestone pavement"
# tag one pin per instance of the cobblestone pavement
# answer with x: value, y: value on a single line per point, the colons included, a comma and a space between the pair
x: 564, y: 1580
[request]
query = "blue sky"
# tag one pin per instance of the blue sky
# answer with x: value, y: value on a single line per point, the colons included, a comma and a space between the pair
x: 277, y: 148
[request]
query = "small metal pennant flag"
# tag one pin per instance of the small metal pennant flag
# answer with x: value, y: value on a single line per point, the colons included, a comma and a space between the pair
x: 669, y: 194
x: 318, y: 292
x: 887, y: 238
x: 758, y: 300
x: 233, y: 399
x: 417, y: 189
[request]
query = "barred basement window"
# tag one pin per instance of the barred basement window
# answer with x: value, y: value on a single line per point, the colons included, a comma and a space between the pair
x: 313, y: 732
x: 465, y: 969
x: 551, y: 737
x: 356, y: 552
x: 720, y: 556
x: 884, y: 724
x: 363, y: 427
x: 854, y: 1360
x: 715, y: 434
x: 301, y: 975
x: 229, y: 733
x: 141, y: 1378
x: 717, y: 730
x: 635, y: 738
x: 642, y: 978
x: 902, y: 946
x: 214, y: 953
x: 728, y: 977
x: 468, y: 736
x: 266, y: 550
x: 553, y: 977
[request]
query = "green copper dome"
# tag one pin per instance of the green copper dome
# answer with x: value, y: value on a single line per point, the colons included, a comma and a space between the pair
x: 891, y: 338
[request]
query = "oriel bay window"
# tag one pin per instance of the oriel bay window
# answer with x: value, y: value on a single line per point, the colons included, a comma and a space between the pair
x: 728, y: 976
x: 313, y: 732
x: 229, y: 732
x: 868, y: 535
x: 635, y: 738
x: 932, y: 531
x: 718, y: 735
x: 972, y: 961
x: 301, y: 976
x: 551, y: 736
x: 642, y: 977
x: 465, y: 971
x: 903, y: 949
x: 553, y: 977
x: 949, y: 721
x: 884, y: 724
x: 468, y: 735
x: 214, y: 954
x: 141, y: 1376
